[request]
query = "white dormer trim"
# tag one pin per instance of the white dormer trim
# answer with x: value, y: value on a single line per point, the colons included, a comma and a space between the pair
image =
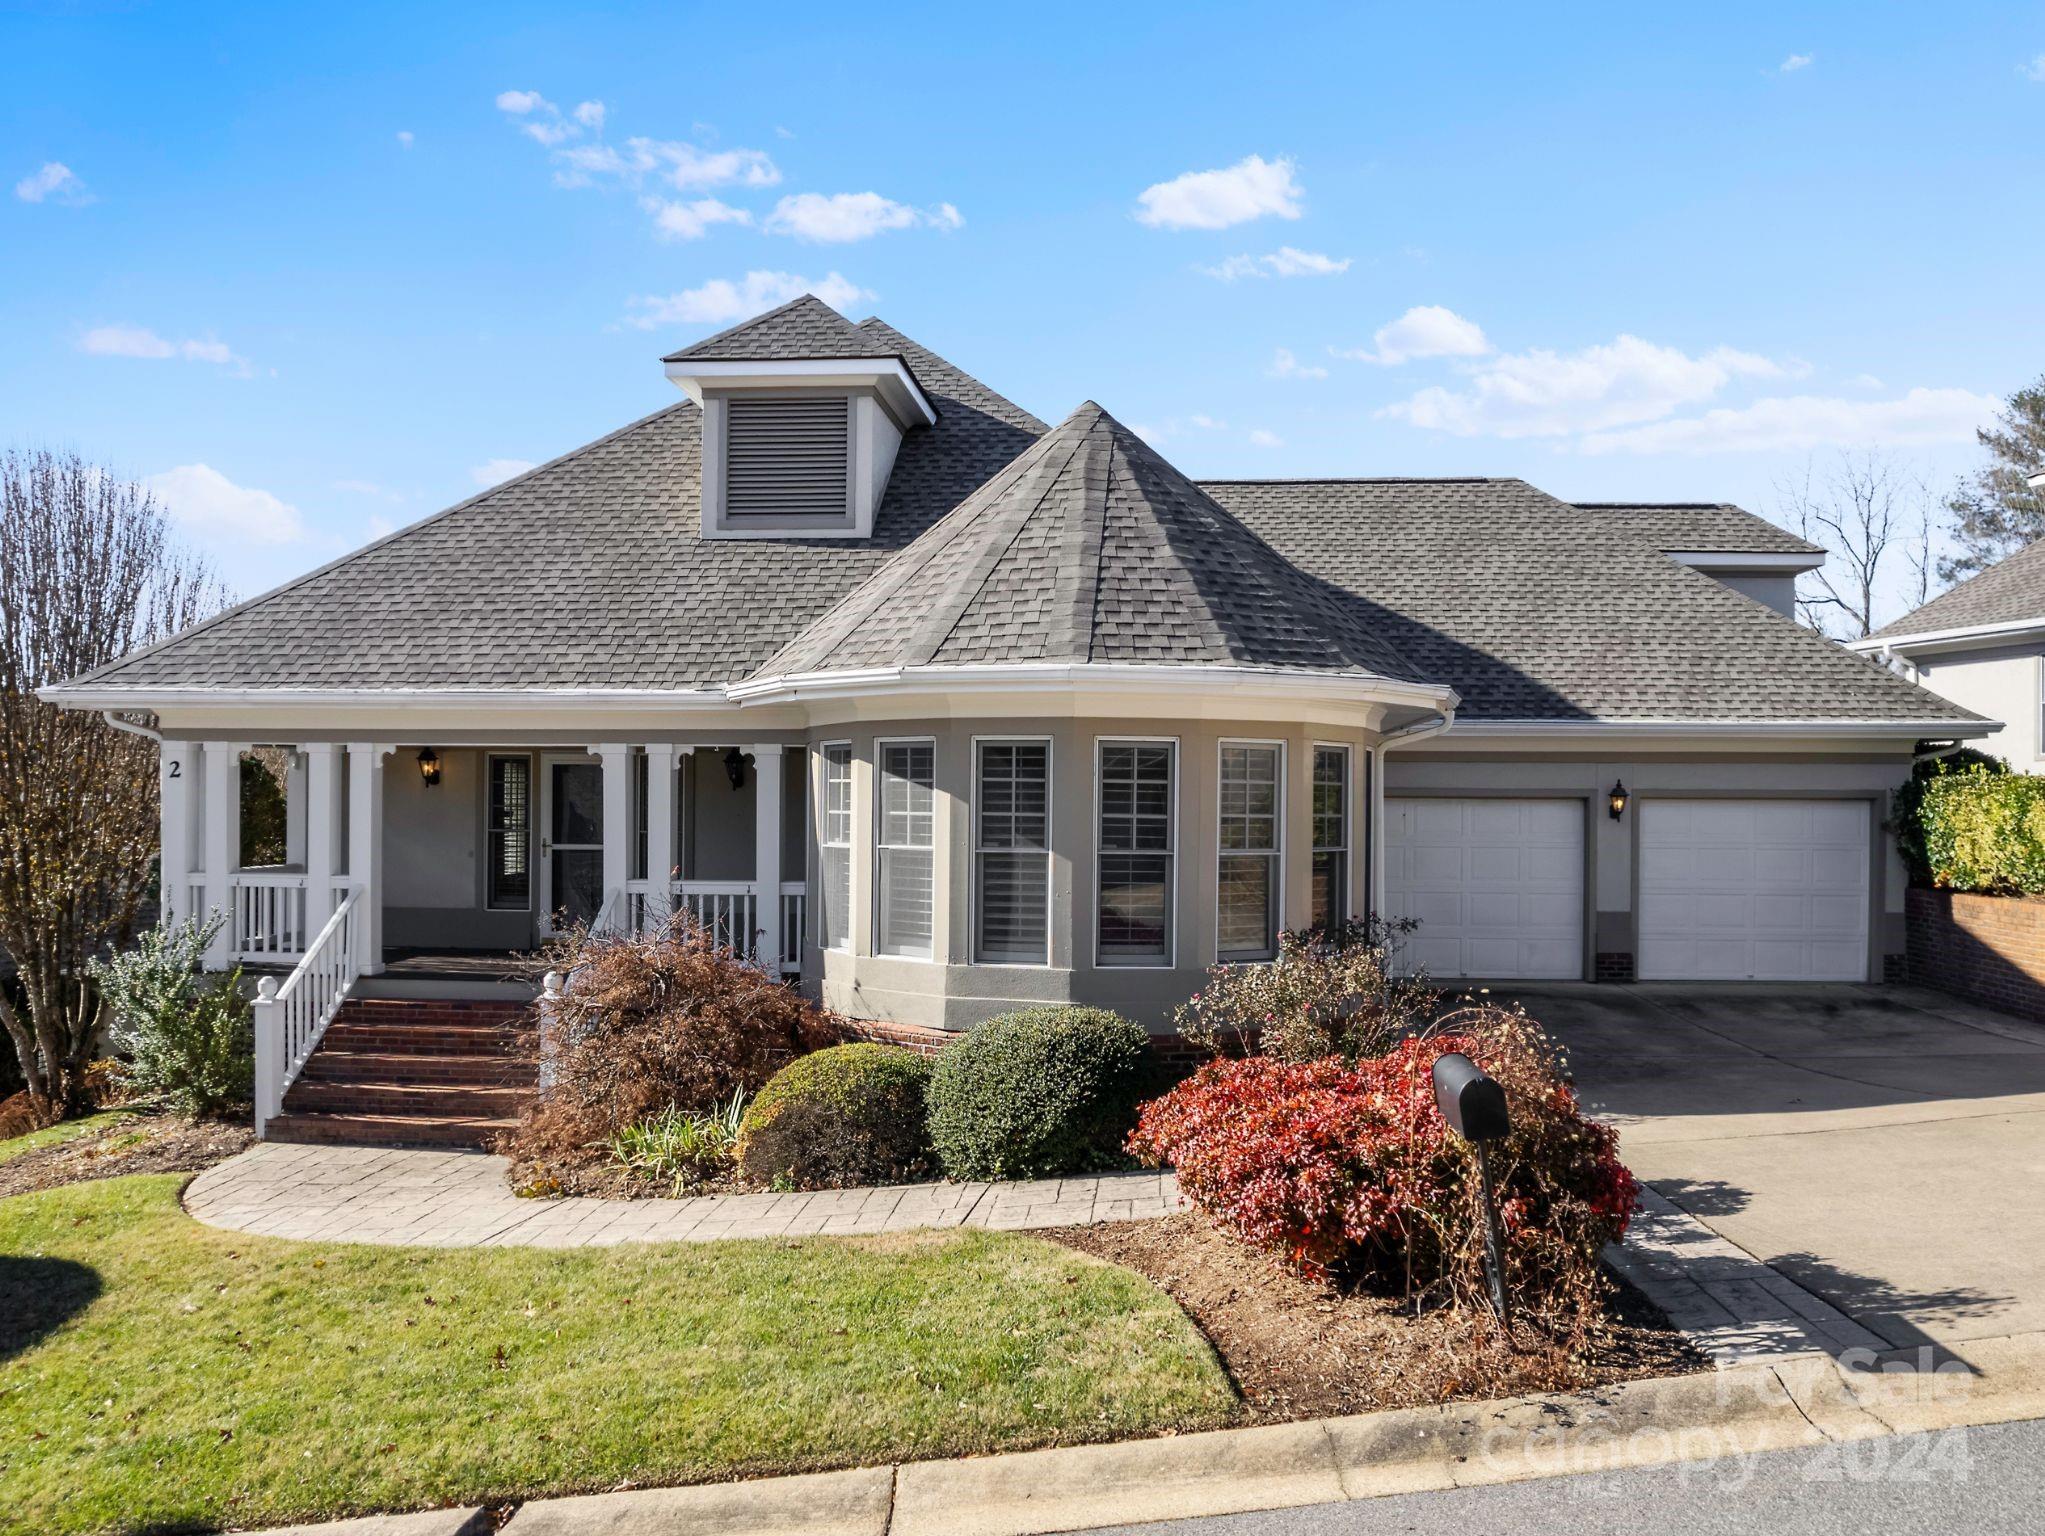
x: 1736, y: 560
x: 887, y: 378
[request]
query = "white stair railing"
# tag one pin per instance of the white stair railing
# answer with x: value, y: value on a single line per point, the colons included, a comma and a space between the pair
x: 291, y: 1019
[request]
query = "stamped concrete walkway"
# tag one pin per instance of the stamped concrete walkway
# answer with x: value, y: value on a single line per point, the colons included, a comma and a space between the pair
x: 461, y: 1200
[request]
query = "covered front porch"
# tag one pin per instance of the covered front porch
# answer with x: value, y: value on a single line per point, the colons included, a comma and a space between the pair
x: 419, y: 856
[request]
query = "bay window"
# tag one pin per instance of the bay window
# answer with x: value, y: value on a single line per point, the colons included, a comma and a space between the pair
x: 1012, y: 852
x: 1331, y: 836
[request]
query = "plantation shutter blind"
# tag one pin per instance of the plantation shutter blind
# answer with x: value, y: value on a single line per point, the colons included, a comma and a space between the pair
x: 788, y: 457
x: 906, y: 837
x: 836, y: 841
x: 1012, y: 822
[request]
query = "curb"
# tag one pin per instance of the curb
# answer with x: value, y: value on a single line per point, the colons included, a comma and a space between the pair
x: 1797, y: 1401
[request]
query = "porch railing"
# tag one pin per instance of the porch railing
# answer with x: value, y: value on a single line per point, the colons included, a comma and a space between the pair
x: 729, y: 910
x: 267, y: 920
x: 291, y: 1019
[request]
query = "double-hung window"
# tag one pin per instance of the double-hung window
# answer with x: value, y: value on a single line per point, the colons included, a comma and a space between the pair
x: 1246, y: 897
x: 835, y: 844
x: 904, y: 839
x: 1012, y: 852
x: 1331, y: 836
x: 1137, y: 846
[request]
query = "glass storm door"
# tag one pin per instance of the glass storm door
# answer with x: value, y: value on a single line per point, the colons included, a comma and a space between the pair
x: 572, y: 844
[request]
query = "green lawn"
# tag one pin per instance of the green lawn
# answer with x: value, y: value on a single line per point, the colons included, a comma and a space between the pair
x: 157, y: 1373
x: 63, y: 1130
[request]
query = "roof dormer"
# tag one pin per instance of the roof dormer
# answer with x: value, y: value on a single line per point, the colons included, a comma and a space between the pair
x: 803, y: 414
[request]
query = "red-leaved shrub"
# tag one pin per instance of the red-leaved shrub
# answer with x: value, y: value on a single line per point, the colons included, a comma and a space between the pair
x: 1350, y: 1170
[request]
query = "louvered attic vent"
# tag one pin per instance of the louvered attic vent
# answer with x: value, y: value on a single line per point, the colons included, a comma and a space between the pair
x: 788, y: 457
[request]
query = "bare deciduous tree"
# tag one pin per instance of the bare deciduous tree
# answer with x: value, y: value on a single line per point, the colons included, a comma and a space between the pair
x: 88, y: 572
x: 1874, y: 518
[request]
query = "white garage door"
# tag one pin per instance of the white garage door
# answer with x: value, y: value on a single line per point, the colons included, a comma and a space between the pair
x: 1772, y: 890
x: 1496, y: 884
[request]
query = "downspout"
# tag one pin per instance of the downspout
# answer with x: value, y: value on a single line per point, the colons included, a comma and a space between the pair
x: 130, y: 727
x: 1419, y: 730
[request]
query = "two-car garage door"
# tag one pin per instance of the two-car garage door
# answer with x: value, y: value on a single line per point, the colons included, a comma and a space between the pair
x: 1772, y: 890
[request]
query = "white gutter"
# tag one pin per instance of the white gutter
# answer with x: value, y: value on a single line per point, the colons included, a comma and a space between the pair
x: 2009, y: 629
x: 1419, y: 730
x: 130, y: 727
x: 1722, y: 560
x: 1111, y: 676
x: 1918, y: 729
x: 371, y: 698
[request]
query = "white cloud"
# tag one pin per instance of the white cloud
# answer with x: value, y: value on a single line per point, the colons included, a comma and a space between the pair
x: 519, y: 103
x: 497, y: 471
x: 1865, y: 381
x: 213, y: 506
x: 591, y: 115
x: 1286, y: 261
x: 683, y: 166
x: 1799, y: 423
x: 404, y: 138
x: 722, y: 301
x: 1260, y: 438
x: 691, y: 220
x: 369, y: 488
x: 1252, y: 188
x: 1209, y: 424
x: 842, y: 217
x: 140, y: 341
x: 1285, y: 366
x: 2035, y: 70
x: 1540, y: 393
x: 1795, y: 62
x: 54, y: 180
x: 1426, y: 330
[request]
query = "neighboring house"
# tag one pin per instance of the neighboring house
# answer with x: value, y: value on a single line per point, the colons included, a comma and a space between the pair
x: 944, y: 711
x: 1982, y: 645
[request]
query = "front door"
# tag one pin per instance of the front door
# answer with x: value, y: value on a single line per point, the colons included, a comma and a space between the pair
x: 571, y: 843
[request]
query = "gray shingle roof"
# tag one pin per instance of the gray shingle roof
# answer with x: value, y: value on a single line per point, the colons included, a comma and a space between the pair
x: 801, y: 329
x: 1701, y: 527
x: 1527, y: 606
x: 590, y: 572
x: 587, y: 572
x: 2007, y: 592
x: 1091, y: 548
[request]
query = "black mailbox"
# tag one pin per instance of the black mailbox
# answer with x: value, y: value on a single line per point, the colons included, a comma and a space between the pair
x: 1473, y: 1104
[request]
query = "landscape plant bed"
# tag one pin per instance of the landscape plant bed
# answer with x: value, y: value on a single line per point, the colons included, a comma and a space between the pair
x: 116, y: 1143
x: 158, y: 1375
x: 1297, y: 1348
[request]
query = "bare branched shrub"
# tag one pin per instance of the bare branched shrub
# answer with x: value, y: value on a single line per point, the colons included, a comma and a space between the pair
x: 662, y: 1021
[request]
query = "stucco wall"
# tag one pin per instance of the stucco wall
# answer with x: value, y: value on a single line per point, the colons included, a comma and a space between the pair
x: 1609, y: 895
x: 2002, y: 684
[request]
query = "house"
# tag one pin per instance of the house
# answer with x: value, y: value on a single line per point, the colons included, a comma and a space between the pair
x: 942, y: 709
x: 1982, y: 645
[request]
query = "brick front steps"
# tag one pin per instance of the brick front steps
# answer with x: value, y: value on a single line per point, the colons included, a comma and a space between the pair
x: 400, y: 1072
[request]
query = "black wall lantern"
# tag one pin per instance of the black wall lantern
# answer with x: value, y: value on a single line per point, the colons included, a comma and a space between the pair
x: 1618, y: 798
x: 429, y: 766
x: 735, y: 768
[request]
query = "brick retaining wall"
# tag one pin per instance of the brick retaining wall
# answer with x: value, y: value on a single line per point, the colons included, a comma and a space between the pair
x: 1987, y: 949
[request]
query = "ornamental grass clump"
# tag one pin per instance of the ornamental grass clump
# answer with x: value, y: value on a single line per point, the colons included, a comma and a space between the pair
x: 646, y: 1024
x: 682, y: 1150
x: 1349, y: 1171
x: 1331, y: 991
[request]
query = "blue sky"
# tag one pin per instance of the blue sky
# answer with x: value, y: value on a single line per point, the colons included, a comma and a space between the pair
x: 321, y: 278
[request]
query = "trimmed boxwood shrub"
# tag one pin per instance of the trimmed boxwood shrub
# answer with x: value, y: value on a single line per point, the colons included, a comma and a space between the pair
x: 1985, y: 832
x: 1038, y: 1092
x: 838, y: 1118
x: 1906, y: 807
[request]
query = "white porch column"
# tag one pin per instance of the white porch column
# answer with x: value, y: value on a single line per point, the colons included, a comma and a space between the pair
x: 178, y: 819
x: 660, y: 822
x: 294, y: 810
x: 321, y: 783
x: 365, y: 851
x: 220, y: 843
x: 767, y: 851
x: 1374, y: 828
x: 617, y: 761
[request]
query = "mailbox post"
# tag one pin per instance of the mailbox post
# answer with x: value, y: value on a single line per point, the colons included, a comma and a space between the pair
x: 1474, y: 1106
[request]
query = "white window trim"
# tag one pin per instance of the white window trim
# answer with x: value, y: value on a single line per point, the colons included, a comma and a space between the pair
x: 1277, y: 855
x: 532, y: 873
x: 1347, y: 848
x: 880, y: 746
x: 973, y: 849
x: 1171, y: 960
x: 820, y: 794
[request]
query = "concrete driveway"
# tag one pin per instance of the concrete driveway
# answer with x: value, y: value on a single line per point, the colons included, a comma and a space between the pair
x: 1882, y: 1146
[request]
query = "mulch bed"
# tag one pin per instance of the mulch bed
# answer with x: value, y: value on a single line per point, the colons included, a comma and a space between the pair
x: 1297, y: 1349
x: 143, y: 1144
